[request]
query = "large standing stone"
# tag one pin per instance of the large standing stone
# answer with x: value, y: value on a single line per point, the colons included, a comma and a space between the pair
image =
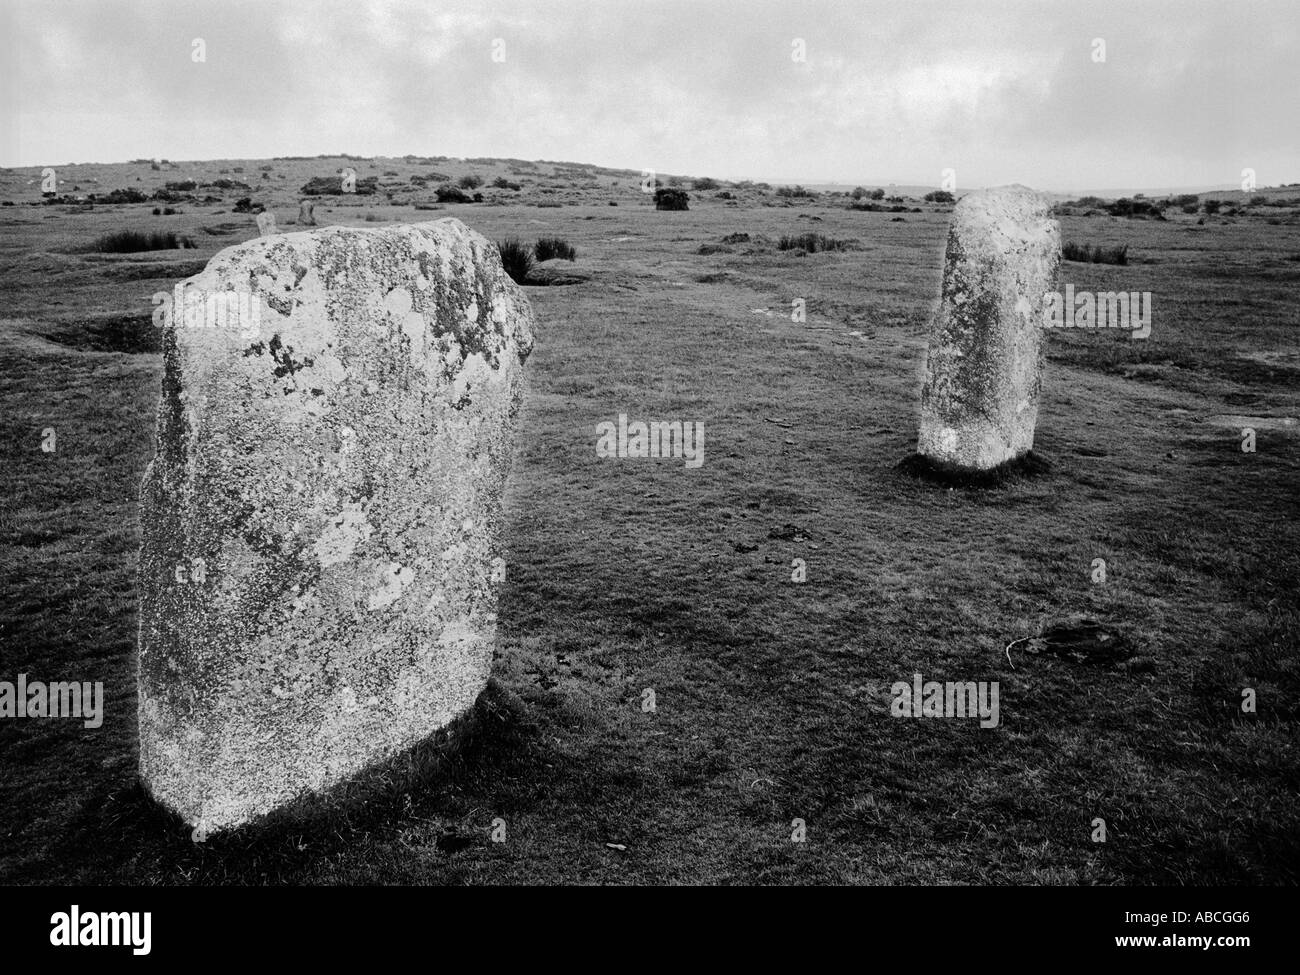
x: 979, y: 402
x: 319, y: 564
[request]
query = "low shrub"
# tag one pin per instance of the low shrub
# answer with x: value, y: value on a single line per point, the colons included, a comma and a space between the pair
x: 881, y: 208
x: 1124, y: 207
x: 860, y: 192
x: 451, y: 194
x: 671, y: 199
x: 229, y: 184
x: 333, y: 186
x: 128, y: 195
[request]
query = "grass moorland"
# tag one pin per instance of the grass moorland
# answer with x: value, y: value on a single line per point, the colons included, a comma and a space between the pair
x: 772, y: 696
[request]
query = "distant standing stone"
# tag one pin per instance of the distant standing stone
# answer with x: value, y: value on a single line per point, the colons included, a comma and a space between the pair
x: 320, y: 560
x: 306, y: 213
x: 979, y: 401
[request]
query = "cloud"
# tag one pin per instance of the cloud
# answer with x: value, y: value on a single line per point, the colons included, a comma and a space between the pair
x: 1187, y: 94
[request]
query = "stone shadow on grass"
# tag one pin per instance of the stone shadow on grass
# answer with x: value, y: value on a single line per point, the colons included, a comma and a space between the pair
x: 135, y: 839
x: 1026, y: 467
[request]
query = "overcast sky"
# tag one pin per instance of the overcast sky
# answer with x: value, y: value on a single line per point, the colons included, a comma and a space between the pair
x: 1190, y: 93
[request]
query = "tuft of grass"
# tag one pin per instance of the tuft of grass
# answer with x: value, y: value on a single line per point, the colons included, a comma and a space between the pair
x: 1095, y: 253
x: 812, y: 243
x: 133, y: 241
x: 516, y: 258
x: 548, y: 248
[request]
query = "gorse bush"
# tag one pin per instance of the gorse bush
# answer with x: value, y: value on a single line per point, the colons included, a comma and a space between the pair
x: 132, y: 241
x: 1124, y: 207
x: 812, y: 243
x: 794, y: 191
x: 451, y: 194
x: 319, y: 186
x: 859, y: 192
x: 470, y: 182
x: 125, y: 195
x: 882, y: 208
x: 548, y: 248
x: 516, y: 258
x: 1095, y: 254
x: 670, y: 199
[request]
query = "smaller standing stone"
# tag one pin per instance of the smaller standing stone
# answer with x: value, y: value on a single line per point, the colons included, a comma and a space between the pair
x: 306, y: 213
x: 979, y: 402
